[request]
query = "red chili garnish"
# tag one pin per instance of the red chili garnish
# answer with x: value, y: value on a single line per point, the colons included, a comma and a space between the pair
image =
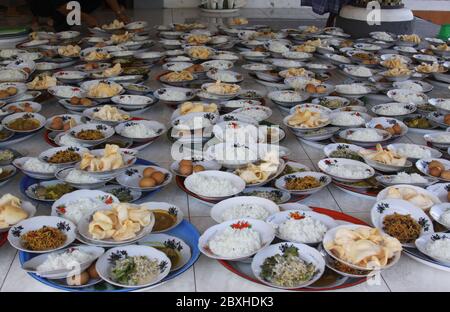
x: 108, y: 200
x: 296, y: 216
x: 241, y: 225
x: 61, y: 209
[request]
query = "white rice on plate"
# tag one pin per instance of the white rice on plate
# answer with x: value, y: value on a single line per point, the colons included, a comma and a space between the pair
x: 353, y: 88
x: 405, y: 178
x: 234, y: 243
x: 138, y: 130
x: 348, y: 171
x: 67, y: 260
x: 306, y: 230
x: 445, y: 218
x: 442, y: 138
x: 347, y: 119
x: 413, y: 151
x: 82, y: 207
x: 212, y: 186
x: 78, y: 176
x: 392, y: 110
x: 365, y: 135
x: 245, y: 211
x: 35, y: 165
x: 439, y: 248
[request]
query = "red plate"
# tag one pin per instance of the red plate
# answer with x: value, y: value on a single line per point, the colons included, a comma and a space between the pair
x: 331, y: 213
x: 3, y: 238
x: 180, y: 183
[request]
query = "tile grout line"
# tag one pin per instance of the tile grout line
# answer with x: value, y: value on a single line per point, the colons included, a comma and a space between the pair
x: 9, y: 269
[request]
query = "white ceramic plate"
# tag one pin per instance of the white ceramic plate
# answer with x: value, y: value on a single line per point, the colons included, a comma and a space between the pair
x: 36, y: 223
x: 105, y: 263
x: 265, y: 231
x: 219, y: 209
x: 387, y: 207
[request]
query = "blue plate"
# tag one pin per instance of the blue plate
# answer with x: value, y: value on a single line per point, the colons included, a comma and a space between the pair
x: 185, y: 231
x: 27, y: 181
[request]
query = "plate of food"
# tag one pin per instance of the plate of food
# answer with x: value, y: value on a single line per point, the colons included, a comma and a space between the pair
x: 440, y: 212
x: 178, y: 251
x: 434, y: 246
x: 174, y: 95
x: 60, y: 264
x: 136, y: 89
x: 214, y: 185
x: 243, y: 207
x: 11, y: 90
x: 7, y: 156
x: 287, y: 98
x: 299, y: 226
x: 75, y: 206
x: 407, y: 96
x: 123, y: 194
x: 42, y: 234
x: 119, y: 224
x: 391, y: 215
x: 167, y: 216
x: 91, y: 134
x: 221, y: 90
x: 267, y: 263
x: 353, y: 90
x: 35, y: 168
x: 24, y: 122
x: 365, y: 136
x: 414, y: 179
x: 101, y: 90
x: 331, y: 102
x: 94, y: 55
x: 343, y: 150
x: 439, y: 139
x: 357, y: 71
x: 414, y: 85
x: 62, y: 156
x: 122, y: 270
x: 79, y: 179
x: 417, y: 196
x: 307, y: 118
x: 419, y: 124
x: 63, y: 122
x: 435, y: 167
x: 47, y: 191
x: 349, y: 119
x: 261, y: 172
x: 186, y: 167
x: 144, y: 178
x: 14, y: 210
x: 77, y: 104
x: 385, y: 160
x: 177, y: 78
x: 366, y: 235
x: 394, y: 109
x: 108, y: 162
x: 303, y: 183
x: 236, y: 239
x: 70, y: 76
x: 441, y: 104
x: 346, y: 170
x: 140, y: 130
x: 414, y: 151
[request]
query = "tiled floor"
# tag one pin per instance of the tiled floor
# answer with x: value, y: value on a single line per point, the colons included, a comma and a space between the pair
x: 408, y: 275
